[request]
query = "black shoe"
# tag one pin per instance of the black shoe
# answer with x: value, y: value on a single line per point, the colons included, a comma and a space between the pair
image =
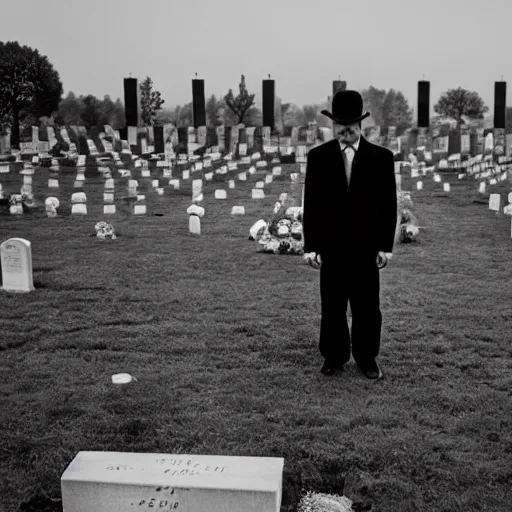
x: 330, y: 366
x: 370, y: 369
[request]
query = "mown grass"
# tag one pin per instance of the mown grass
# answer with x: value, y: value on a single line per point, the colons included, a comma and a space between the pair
x: 223, y: 343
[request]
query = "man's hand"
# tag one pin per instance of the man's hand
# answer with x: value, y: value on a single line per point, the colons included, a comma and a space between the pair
x: 313, y: 259
x: 382, y: 260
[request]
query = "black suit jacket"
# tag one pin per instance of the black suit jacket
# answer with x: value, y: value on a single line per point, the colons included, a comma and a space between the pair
x: 360, y: 219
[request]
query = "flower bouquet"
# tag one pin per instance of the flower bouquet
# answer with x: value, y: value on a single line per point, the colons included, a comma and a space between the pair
x: 282, y: 234
x: 408, y: 228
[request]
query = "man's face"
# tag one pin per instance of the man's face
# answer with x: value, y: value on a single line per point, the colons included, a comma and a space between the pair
x: 347, y: 132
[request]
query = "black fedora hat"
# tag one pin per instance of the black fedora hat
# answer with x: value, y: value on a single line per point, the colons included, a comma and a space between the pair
x: 347, y: 108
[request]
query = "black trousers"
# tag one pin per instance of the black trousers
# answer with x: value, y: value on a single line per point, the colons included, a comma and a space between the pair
x: 353, y: 278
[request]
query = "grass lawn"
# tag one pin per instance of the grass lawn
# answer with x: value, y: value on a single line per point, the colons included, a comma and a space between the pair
x: 223, y: 342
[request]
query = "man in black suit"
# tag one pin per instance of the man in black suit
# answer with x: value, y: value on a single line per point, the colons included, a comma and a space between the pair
x: 349, y: 221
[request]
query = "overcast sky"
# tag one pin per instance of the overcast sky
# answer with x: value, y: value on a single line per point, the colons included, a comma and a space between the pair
x: 303, y: 44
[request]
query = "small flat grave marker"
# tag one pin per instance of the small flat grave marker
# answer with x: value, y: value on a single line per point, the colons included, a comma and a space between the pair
x: 109, y: 209
x: 220, y: 194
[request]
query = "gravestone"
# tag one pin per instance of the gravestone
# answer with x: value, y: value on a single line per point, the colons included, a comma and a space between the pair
x: 194, y: 225
x: 258, y: 193
x: 446, y: 187
x: 494, y: 202
x: 16, y: 263
x: 220, y: 194
x: 115, y: 482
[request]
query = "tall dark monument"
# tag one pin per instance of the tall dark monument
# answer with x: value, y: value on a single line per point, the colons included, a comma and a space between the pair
x: 269, y: 91
x: 158, y: 132
x: 198, y: 103
x: 423, y: 104
x: 500, y: 104
x: 131, y: 106
x: 338, y: 85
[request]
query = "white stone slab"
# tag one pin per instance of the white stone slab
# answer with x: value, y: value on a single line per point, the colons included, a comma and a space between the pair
x: 175, y: 183
x: 139, y: 209
x: 194, y: 225
x: 208, y: 176
x: 494, y: 202
x: 437, y: 178
x: 78, y: 197
x: 419, y: 185
x: 257, y: 193
x: 119, y: 482
x: 155, y: 183
x: 108, y: 197
x: 27, y: 180
x: 146, y: 173
x: 261, y: 163
x: 446, y: 187
x: 231, y: 183
x: 109, y: 183
x: 186, y: 175
x: 160, y: 191
x: 238, y: 210
x: 109, y: 209
x: 79, y: 209
x: 268, y: 179
x: 167, y: 173
x: 133, y: 184
x: 242, y: 176
x: 260, y: 184
x: 481, y: 187
x: 78, y: 184
x: 16, y: 263
x: 221, y: 194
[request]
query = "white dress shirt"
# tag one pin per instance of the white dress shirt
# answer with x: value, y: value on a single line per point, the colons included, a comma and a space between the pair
x: 349, y: 159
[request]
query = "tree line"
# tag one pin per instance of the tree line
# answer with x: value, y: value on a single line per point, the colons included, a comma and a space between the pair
x: 31, y: 94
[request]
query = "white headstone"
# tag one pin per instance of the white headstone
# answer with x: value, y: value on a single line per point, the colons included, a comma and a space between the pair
x: 146, y: 173
x: 231, y: 183
x: 139, y: 209
x: 220, y: 194
x: 257, y: 193
x: 260, y: 184
x: 115, y: 482
x: 446, y: 187
x: 159, y: 191
x: 194, y: 225
x: 242, y: 176
x: 16, y: 262
x: 276, y: 171
x: 109, y: 209
x: 238, y: 210
x: 419, y: 185
x: 437, y: 178
x: 78, y: 197
x: 175, y: 184
x: 494, y: 202
x: 79, y: 209
x: 109, y: 183
x: 268, y: 179
x: 186, y: 175
x: 481, y: 188
x: 108, y: 197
